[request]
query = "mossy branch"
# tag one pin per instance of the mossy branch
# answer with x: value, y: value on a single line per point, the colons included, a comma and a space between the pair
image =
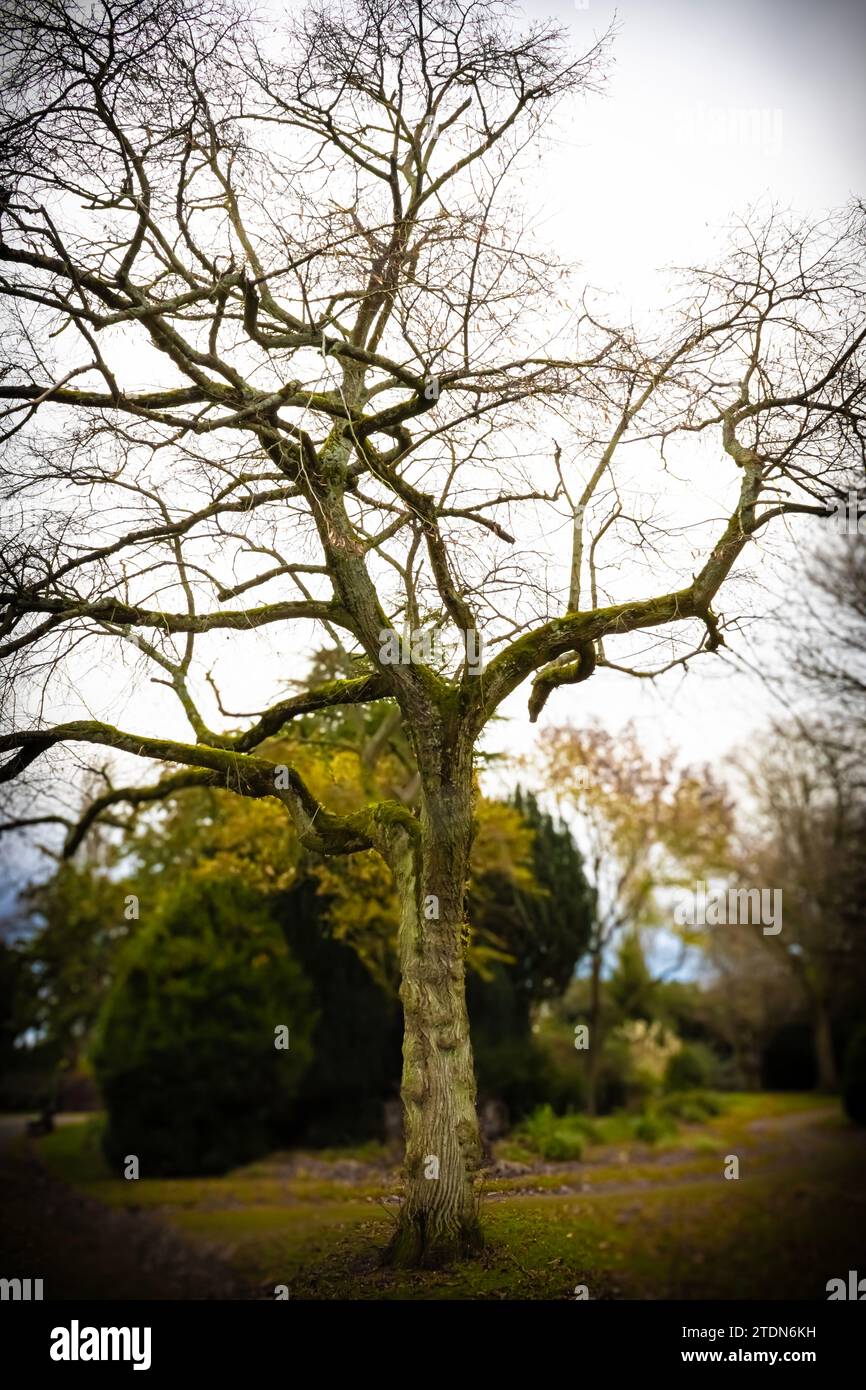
x: 318, y: 828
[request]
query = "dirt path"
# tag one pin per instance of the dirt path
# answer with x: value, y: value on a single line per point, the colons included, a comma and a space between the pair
x: 784, y: 1141
x: 82, y: 1249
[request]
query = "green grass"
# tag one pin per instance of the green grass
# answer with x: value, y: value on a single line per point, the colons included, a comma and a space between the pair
x: 650, y: 1222
x: 74, y: 1152
x: 561, y: 1138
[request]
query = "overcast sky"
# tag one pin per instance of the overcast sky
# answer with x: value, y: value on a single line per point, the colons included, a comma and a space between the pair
x: 710, y: 108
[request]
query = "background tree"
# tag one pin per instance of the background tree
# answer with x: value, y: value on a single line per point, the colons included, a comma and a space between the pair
x: 809, y: 788
x: 632, y: 991
x: 542, y: 923
x: 274, y: 325
x: 16, y: 1007
x: 643, y: 825
x: 829, y: 666
x: 807, y: 838
x: 749, y: 997
x: 83, y: 924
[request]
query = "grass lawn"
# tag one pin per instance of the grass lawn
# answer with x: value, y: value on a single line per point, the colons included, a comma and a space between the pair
x: 629, y: 1221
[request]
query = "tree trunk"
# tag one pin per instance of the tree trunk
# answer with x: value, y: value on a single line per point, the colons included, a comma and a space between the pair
x: 825, y: 1059
x: 439, y: 1218
x: 594, y: 1057
x: 752, y: 1064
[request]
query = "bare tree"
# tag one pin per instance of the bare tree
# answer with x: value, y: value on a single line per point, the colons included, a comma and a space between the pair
x: 829, y: 666
x: 809, y: 788
x: 276, y: 327
x: 751, y: 993
x: 807, y: 839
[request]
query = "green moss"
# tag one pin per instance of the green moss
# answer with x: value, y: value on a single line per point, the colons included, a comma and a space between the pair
x: 386, y: 815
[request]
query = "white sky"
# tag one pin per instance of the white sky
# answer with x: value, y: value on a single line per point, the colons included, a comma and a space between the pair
x: 709, y: 109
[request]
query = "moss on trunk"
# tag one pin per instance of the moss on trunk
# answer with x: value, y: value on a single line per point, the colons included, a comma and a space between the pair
x: 439, y: 1218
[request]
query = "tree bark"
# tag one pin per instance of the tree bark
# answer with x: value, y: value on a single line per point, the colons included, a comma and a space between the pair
x: 439, y: 1218
x: 594, y: 1057
x: 825, y: 1059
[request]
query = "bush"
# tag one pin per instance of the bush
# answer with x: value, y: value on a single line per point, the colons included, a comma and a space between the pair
x: 654, y: 1125
x: 185, y: 1049
x: 562, y: 1146
x: 566, y: 1089
x: 517, y: 1072
x: 693, y: 1068
x: 634, y: 1060
x: 732, y: 1075
x: 854, y: 1077
x: 358, y: 1036
x: 691, y: 1107
x: 555, y: 1138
